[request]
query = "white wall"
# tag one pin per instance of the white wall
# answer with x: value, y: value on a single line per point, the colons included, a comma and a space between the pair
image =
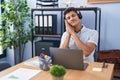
x: 110, y: 21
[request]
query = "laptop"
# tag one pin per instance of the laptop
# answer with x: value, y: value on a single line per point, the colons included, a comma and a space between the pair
x: 69, y: 58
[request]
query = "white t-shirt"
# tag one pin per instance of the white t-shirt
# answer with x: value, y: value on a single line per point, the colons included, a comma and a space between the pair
x: 85, y: 35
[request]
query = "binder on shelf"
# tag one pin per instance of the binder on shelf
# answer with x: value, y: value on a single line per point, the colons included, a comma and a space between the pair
x: 50, y: 25
x: 36, y: 24
x: 36, y: 20
x: 45, y: 24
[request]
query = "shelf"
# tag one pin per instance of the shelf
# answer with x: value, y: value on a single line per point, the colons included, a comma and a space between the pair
x: 55, y: 36
x: 62, y: 9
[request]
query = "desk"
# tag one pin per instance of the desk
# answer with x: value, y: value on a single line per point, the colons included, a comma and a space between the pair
x: 88, y: 74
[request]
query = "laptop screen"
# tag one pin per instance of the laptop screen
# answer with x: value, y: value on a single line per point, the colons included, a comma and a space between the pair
x: 69, y: 58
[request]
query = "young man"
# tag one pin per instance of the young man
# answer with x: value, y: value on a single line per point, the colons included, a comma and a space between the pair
x: 77, y: 36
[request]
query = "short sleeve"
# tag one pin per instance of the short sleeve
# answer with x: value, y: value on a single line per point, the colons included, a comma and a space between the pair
x: 94, y: 37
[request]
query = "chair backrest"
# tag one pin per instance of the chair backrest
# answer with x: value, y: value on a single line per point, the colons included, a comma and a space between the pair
x: 95, y: 56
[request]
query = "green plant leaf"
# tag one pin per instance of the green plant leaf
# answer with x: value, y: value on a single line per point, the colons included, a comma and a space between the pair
x: 57, y: 71
x: 14, y: 31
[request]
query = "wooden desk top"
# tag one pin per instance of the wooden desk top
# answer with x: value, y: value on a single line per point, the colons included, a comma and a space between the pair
x: 88, y: 74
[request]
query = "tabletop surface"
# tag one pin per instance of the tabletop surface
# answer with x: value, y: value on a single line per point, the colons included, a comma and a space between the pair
x: 87, y: 74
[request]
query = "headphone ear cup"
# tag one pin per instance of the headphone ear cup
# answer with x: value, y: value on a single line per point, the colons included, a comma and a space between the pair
x: 79, y: 15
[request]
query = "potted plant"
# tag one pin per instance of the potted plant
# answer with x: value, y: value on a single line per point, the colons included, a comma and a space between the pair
x: 57, y: 72
x: 16, y: 26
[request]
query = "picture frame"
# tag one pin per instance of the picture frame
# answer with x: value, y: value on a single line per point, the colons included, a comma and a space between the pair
x: 102, y: 1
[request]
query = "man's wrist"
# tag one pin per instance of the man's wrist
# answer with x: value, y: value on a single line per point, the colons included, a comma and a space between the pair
x: 68, y: 34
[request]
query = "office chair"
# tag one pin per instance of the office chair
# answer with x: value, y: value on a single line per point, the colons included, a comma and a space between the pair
x: 95, y: 56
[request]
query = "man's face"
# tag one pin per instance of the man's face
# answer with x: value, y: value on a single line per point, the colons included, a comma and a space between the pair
x: 72, y: 18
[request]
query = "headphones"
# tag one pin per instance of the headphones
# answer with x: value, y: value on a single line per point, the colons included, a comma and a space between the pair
x: 79, y: 15
x: 67, y: 10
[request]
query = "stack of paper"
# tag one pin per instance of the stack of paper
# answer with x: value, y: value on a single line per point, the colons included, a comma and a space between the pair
x: 33, y: 62
x: 21, y: 74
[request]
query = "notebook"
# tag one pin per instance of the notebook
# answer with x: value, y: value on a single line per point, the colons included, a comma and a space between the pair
x: 69, y: 58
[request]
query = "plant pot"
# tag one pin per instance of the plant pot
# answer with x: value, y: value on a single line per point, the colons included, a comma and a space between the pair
x: 57, y: 78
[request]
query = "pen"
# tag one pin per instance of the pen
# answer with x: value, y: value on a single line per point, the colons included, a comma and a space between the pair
x: 106, y: 66
x: 103, y: 66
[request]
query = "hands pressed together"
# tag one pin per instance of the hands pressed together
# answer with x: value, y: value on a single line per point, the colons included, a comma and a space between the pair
x: 69, y: 29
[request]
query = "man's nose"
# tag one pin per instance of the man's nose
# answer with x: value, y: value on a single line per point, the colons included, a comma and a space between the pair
x: 71, y: 18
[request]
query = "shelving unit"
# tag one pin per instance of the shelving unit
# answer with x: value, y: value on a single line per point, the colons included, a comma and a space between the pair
x: 97, y: 22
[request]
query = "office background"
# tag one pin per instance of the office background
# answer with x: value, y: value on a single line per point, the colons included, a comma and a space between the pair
x: 109, y: 21
x: 110, y: 26
x: 110, y: 18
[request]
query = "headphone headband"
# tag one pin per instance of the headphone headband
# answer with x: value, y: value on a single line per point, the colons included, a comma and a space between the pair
x: 67, y: 10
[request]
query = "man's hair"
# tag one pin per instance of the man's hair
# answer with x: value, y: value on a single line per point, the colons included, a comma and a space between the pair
x: 69, y: 9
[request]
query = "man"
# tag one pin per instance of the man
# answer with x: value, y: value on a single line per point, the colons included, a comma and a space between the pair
x: 77, y: 36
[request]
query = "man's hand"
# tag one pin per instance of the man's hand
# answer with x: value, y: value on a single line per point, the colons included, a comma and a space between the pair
x: 69, y: 28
